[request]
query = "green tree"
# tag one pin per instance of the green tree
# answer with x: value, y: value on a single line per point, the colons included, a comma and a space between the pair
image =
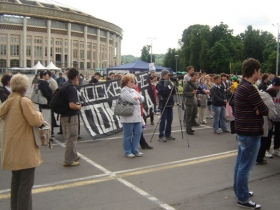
x: 170, y: 60
x: 145, y: 55
x: 219, y: 57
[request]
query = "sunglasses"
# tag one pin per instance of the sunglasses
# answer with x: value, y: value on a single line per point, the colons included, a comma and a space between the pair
x: 44, y: 73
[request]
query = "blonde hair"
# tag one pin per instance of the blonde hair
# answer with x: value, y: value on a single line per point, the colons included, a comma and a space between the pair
x: 126, y: 78
x: 19, y: 83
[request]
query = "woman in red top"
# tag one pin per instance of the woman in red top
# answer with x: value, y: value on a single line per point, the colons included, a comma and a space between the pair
x: 143, y: 143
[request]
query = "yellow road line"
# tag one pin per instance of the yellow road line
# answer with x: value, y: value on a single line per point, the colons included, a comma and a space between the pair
x: 61, y: 187
x: 123, y: 174
x: 160, y: 168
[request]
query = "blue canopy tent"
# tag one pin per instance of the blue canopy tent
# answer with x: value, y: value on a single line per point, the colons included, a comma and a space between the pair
x: 136, y: 66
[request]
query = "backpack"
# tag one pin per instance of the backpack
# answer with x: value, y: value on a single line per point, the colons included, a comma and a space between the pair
x: 59, y: 104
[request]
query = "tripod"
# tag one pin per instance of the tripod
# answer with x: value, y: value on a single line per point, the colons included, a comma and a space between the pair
x: 179, y: 104
x: 179, y: 113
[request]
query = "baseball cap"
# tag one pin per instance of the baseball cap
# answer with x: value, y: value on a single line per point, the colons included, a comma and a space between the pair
x: 164, y: 72
x: 276, y: 81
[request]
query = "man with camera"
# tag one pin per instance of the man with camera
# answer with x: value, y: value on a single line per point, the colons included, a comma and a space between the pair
x: 190, y: 94
x: 165, y: 91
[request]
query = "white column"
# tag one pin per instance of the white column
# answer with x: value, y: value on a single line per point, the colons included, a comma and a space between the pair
x: 115, y: 49
x: 98, y: 49
x: 119, y: 51
x: 85, y: 47
x: 91, y: 55
x: 69, y: 56
x: 49, y: 43
x: 108, y: 57
x: 24, y: 41
x: 8, y: 50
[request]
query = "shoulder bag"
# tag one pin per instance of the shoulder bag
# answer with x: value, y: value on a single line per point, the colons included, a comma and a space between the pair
x: 231, y: 100
x: 123, y: 108
x: 37, y: 97
x: 42, y: 134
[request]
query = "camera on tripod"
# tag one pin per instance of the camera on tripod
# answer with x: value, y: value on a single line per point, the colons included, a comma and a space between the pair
x: 176, y: 77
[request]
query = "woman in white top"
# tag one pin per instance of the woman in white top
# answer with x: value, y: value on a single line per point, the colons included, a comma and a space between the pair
x: 132, y: 126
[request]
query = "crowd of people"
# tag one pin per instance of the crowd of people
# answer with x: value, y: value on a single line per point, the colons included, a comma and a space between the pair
x: 253, y: 100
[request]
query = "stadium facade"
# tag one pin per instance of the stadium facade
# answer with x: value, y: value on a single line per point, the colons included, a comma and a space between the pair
x: 32, y: 31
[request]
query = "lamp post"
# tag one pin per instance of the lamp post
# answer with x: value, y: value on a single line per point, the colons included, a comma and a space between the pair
x: 151, y: 38
x: 176, y: 58
x: 277, y: 54
x: 115, y: 59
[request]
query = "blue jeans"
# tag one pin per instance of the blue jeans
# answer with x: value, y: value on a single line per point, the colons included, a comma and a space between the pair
x: 219, y: 117
x: 165, y: 122
x: 248, y: 147
x: 131, y: 137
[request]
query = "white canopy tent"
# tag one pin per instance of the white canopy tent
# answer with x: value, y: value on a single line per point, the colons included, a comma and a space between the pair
x: 51, y: 66
x: 38, y: 66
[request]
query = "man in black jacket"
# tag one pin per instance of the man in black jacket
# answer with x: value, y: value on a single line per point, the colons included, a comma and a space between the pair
x: 5, y: 90
x: 165, y: 91
x: 219, y: 102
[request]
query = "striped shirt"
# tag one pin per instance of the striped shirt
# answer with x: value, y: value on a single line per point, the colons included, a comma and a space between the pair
x: 246, y: 101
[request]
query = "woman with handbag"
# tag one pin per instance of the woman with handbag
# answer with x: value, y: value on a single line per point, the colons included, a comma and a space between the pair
x: 203, y: 94
x: 46, y: 91
x: 19, y: 153
x: 132, y: 126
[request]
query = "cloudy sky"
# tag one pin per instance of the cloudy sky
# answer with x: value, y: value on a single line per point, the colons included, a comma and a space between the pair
x: 166, y: 20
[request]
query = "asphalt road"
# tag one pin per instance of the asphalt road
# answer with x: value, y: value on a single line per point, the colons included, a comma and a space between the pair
x: 193, y: 172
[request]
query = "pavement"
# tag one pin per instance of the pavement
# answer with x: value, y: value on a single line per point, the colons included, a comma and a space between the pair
x: 191, y: 172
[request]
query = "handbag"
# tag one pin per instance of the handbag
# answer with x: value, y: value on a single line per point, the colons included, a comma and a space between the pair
x: 123, y: 108
x: 231, y: 100
x: 209, y: 101
x: 37, y: 97
x: 232, y: 128
x: 42, y: 135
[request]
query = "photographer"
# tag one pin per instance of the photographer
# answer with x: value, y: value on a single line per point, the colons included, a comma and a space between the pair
x: 165, y: 90
x: 190, y: 93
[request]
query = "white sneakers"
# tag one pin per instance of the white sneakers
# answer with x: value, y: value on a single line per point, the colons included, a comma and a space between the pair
x: 130, y: 156
x: 276, y: 152
x: 268, y: 154
x: 139, y: 154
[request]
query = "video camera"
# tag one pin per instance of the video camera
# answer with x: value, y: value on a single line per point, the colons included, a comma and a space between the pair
x: 176, y: 77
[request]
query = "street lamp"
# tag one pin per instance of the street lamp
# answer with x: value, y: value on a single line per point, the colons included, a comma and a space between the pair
x: 115, y: 59
x: 151, y: 38
x: 277, y: 54
x: 176, y: 57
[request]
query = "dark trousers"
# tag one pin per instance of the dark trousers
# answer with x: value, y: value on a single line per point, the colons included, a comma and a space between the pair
x: 165, y: 122
x: 189, y: 117
x: 277, y: 135
x: 143, y: 142
x: 265, y: 143
x: 152, y: 116
x: 21, y: 187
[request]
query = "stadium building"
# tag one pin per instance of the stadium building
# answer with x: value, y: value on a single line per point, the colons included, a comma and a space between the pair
x: 32, y: 31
